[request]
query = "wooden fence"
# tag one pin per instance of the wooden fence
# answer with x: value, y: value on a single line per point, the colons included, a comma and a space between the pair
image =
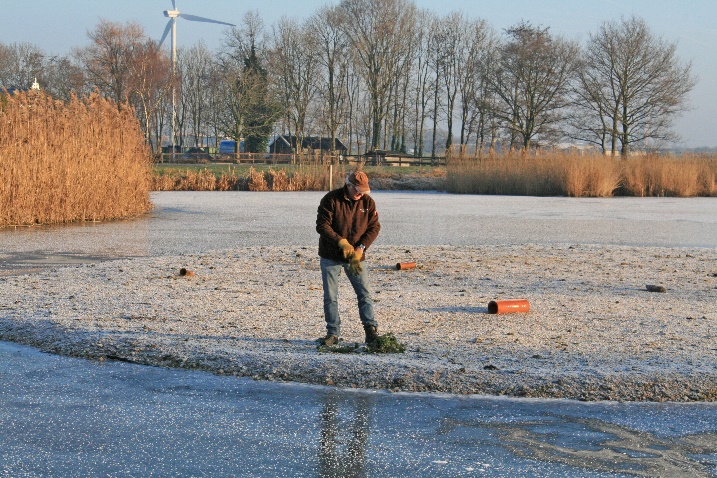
x: 271, y: 158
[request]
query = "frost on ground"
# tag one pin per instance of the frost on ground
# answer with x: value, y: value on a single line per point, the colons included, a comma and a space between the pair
x: 594, y: 331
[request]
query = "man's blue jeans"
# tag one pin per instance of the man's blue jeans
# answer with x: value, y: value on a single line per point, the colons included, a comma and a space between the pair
x: 330, y: 273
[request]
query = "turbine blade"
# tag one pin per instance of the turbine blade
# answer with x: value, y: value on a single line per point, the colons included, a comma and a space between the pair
x: 174, y: 5
x: 166, y: 32
x: 195, y: 18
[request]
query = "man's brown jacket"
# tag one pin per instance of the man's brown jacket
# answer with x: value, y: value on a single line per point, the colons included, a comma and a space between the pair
x: 341, y: 217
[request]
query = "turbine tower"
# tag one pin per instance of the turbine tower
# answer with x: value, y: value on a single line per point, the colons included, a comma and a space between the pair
x: 172, y: 26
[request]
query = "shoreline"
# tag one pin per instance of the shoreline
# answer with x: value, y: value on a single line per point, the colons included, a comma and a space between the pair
x: 593, y: 333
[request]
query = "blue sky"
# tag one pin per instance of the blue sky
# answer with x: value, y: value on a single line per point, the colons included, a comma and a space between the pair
x: 57, y: 26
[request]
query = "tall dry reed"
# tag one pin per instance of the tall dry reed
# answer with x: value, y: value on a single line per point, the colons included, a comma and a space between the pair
x: 595, y: 176
x: 514, y: 174
x: 683, y: 176
x: 578, y: 175
x: 76, y: 161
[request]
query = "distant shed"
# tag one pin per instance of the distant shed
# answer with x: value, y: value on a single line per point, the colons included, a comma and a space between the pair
x: 287, y: 144
x: 385, y: 157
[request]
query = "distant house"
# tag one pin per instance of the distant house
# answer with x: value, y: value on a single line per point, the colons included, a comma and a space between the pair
x: 286, y: 144
x: 579, y: 149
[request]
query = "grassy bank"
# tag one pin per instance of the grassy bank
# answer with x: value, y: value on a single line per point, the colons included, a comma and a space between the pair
x: 84, y: 160
x: 314, y: 177
x: 584, y: 176
x: 543, y: 175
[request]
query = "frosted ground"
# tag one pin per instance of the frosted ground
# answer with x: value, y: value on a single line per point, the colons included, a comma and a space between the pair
x: 254, y: 306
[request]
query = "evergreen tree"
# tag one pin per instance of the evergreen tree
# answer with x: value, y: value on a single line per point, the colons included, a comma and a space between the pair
x: 259, y: 110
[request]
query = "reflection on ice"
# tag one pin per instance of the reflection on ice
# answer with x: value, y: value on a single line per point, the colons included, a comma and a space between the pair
x: 601, y: 446
x: 344, y: 435
x: 68, y: 416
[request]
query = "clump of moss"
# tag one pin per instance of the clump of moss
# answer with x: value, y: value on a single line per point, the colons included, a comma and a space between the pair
x: 386, y: 344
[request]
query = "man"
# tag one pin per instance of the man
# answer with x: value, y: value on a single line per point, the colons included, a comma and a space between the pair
x: 347, y: 223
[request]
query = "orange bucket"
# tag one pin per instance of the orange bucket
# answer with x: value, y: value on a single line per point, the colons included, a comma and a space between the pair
x: 402, y: 266
x: 508, y: 306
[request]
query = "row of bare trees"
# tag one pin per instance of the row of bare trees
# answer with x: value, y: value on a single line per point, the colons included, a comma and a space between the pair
x: 383, y: 74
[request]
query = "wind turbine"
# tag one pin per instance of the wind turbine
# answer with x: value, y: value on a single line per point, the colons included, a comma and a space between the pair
x: 172, y: 26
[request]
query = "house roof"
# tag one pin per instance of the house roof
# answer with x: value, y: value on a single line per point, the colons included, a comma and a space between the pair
x: 312, y: 142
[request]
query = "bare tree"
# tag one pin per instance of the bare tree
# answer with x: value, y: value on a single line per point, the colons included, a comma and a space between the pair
x: 295, y: 69
x: 437, y: 55
x: 632, y: 86
x: 196, y: 65
x: 126, y: 66
x: 353, y: 104
x: 216, y: 86
x: 238, y: 45
x: 531, y: 81
x: 400, y: 104
x: 377, y: 31
x: 379, y: 73
x: 107, y: 61
x: 331, y: 53
x: 463, y: 43
x: 63, y: 78
x: 21, y: 64
x: 481, y: 119
x: 150, y: 72
x: 473, y: 84
x: 422, y: 77
x: 451, y: 31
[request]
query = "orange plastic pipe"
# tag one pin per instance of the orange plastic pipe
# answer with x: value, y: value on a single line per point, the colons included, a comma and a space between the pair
x: 508, y: 306
x: 405, y: 265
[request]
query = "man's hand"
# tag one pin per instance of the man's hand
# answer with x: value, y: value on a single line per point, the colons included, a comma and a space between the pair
x: 355, y: 262
x: 346, y: 248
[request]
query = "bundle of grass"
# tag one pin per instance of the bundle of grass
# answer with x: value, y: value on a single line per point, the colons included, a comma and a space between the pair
x: 386, y: 344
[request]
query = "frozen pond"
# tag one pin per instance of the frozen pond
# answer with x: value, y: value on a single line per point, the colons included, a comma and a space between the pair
x: 195, y: 222
x: 68, y: 417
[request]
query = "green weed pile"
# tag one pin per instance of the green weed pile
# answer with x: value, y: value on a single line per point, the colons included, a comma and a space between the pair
x: 384, y: 344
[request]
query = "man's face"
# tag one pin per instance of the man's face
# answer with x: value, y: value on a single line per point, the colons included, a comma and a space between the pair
x: 354, y: 193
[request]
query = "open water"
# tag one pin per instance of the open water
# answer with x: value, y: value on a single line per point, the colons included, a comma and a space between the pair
x: 69, y: 417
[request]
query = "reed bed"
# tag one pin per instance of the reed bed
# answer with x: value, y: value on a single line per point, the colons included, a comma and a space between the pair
x: 301, y: 178
x: 583, y: 176
x: 81, y: 160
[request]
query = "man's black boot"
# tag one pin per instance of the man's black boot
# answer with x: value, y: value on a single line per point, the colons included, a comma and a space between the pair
x: 371, y: 333
x: 329, y: 340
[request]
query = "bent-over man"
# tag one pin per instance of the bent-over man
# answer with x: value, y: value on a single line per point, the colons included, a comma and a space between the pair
x: 347, y: 223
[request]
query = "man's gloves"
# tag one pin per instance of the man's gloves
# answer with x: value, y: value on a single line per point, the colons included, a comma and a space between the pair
x: 355, y: 262
x: 353, y: 255
x: 346, y: 248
